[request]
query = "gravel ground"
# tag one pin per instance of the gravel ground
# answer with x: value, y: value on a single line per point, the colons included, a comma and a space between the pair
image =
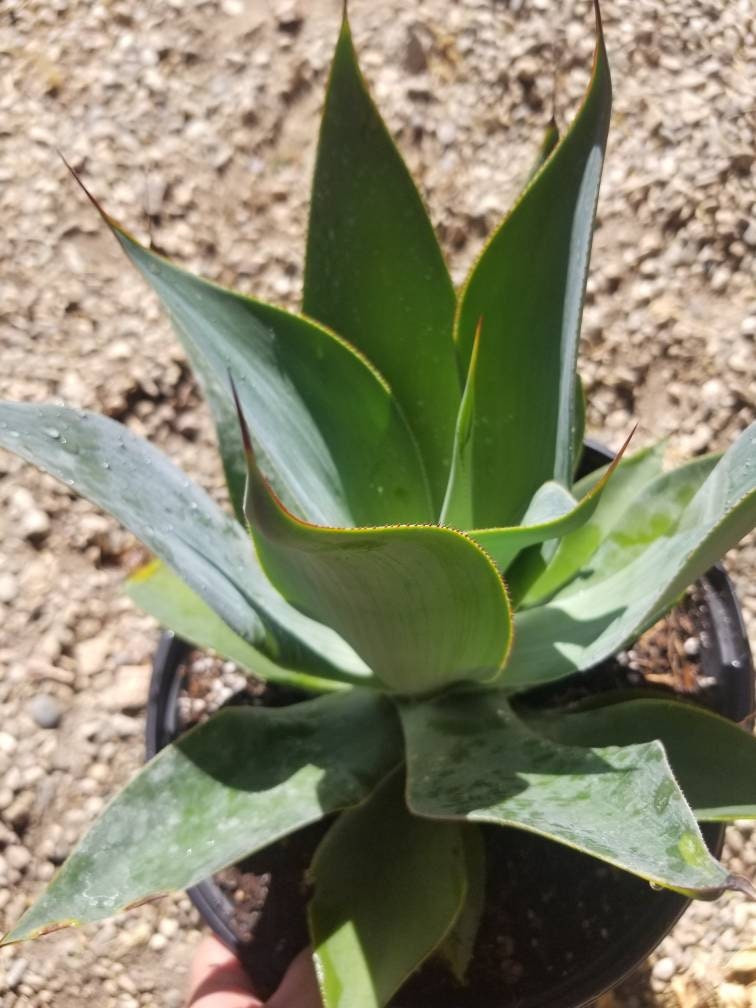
x: 195, y: 123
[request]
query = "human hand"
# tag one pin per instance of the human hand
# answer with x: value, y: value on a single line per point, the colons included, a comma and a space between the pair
x: 217, y: 980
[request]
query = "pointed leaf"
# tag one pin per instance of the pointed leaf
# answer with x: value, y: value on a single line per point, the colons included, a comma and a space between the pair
x: 633, y: 474
x: 457, y: 509
x: 590, y: 620
x: 374, y: 271
x: 534, y: 577
x: 714, y: 760
x: 552, y: 513
x: 423, y: 606
x: 638, y: 491
x: 333, y: 439
x: 208, y: 800
x: 619, y: 804
x: 136, y: 483
x: 528, y: 285
x: 655, y: 512
x: 329, y: 429
x: 388, y: 887
x: 167, y: 598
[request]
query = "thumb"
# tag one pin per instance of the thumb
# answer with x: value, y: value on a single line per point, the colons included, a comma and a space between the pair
x: 218, y: 980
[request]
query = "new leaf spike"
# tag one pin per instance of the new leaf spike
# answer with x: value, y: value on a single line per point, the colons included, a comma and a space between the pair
x: 458, y: 507
x: 503, y: 544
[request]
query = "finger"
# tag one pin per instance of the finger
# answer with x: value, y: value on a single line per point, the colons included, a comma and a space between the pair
x: 299, y: 988
x: 218, y: 980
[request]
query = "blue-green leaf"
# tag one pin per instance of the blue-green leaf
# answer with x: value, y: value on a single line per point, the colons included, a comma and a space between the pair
x: 330, y: 434
x: 469, y: 757
x: 374, y: 271
x: 136, y: 483
x: 528, y: 288
x: 209, y: 799
x: 714, y: 760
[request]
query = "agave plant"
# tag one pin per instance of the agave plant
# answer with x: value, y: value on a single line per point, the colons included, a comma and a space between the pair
x: 408, y: 541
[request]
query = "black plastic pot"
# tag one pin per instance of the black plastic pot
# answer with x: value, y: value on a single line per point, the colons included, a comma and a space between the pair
x: 725, y: 657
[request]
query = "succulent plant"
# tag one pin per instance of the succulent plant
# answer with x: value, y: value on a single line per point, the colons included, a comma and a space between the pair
x: 410, y: 546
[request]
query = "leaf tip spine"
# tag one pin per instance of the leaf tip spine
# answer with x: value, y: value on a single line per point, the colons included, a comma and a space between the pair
x: 739, y: 883
x: 92, y: 199
x: 246, y: 438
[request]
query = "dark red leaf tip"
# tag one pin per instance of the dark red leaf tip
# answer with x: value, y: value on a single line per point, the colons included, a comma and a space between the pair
x: 739, y: 883
x: 246, y: 439
x: 92, y: 199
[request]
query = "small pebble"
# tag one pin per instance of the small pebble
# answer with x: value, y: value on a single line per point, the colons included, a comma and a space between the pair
x: 18, y: 813
x: 127, y: 984
x: 168, y: 927
x: 17, y: 857
x: 447, y: 133
x: 742, y: 966
x: 8, y: 587
x: 691, y: 646
x: 733, y: 995
x: 15, y: 973
x: 8, y: 743
x: 734, y: 842
x: 664, y: 969
x: 45, y: 710
x: 34, y: 524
